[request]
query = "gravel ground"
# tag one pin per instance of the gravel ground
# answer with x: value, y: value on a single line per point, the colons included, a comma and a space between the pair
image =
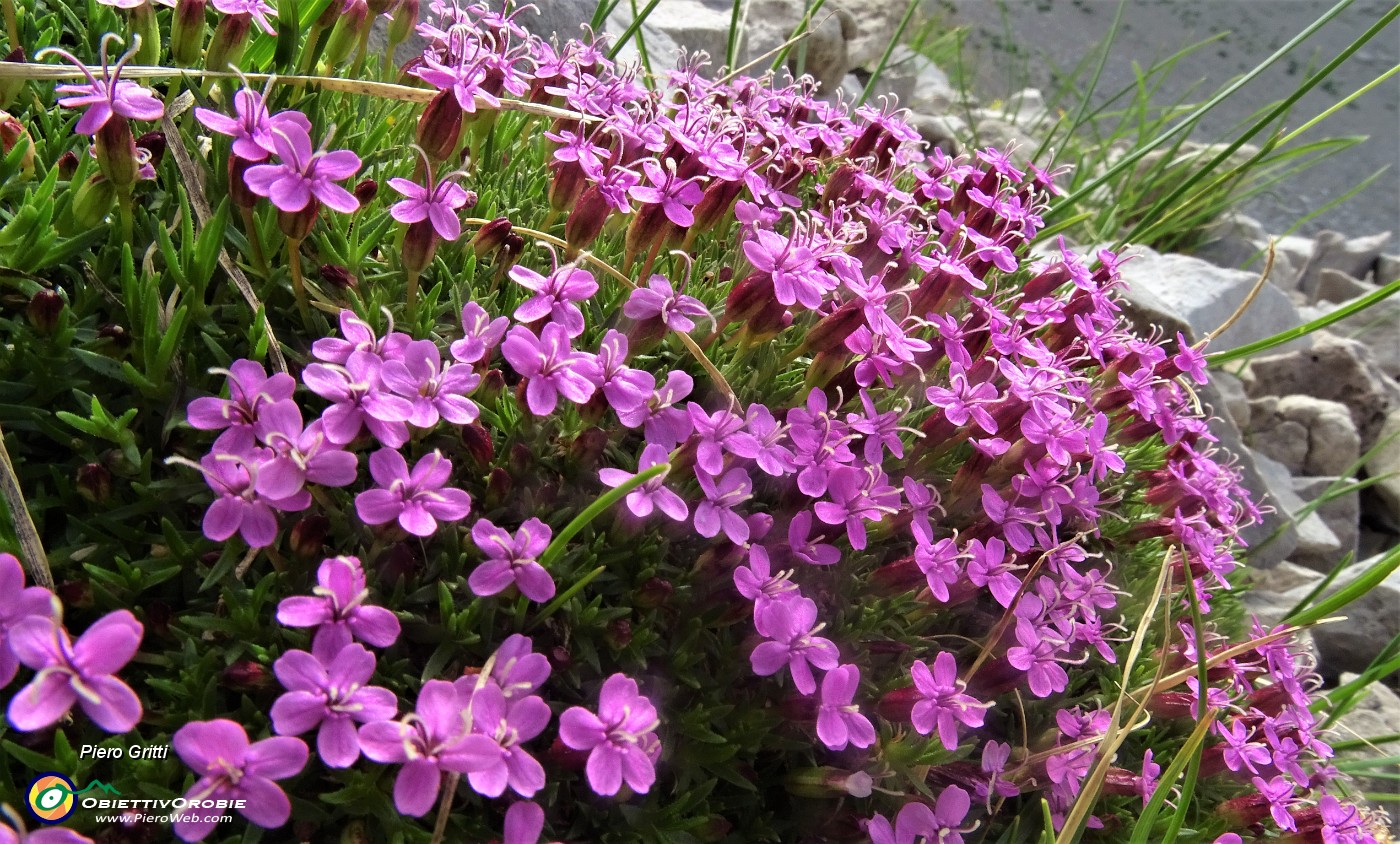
x: 1047, y: 35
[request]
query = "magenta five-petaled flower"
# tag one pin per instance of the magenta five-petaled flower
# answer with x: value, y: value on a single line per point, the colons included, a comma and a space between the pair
x: 304, y: 175
x: 434, y: 391
x: 791, y: 627
x: 435, y: 738
x: 417, y: 499
x: 107, y: 96
x: 337, y: 605
x: 659, y: 300
x: 81, y: 672
x: 945, y: 701
x: 620, y: 739
x: 839, y: 721
x: 249, y: 390
x: 512, y: 560
x: 652, y: 494
x: 555, y: 296
x: 436, y: 201
x: 550, y: 365
x: 330, y: 697
x: 230, y: 768
x: 258, y: 10
x: 254, y: 127
x: 919, y: 822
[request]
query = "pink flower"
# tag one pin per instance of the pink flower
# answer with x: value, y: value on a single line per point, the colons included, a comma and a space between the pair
x: 230, y: 768
x: 416, y: 499
x: 651, y: 495
x: 660, y: 300
x: 304, y: 175
x: 436, y: 201
x: 330, y: 697
x: 481, y: 334
x: 791, y: 627
x: 258, y: 10
x: 231, y: 470
x: 108, y: 95
x: 839, y: 721
x: 716, y: 512
x: 620, y: 740
x: 512, y: 560
x: 80, y: 672
x: 945, y: 702
x: 555, y: 295
x: 501, y: 726
x: 338, y: 606
x: 551, y: 365
x: 249, y: 389
x: 19, y: 604
x: 434, y: 391
x: 254, y: 128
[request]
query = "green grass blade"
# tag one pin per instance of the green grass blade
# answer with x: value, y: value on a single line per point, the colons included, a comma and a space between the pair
x: 1356, y: 307
x: 731, y: 45
x: 1367, y: 581
x: 889, y: 51
x: 634, y: 29
x: 1185, y: 123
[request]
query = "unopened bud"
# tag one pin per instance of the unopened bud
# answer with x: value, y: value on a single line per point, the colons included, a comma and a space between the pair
x: 154, y: 143
x: 187, y: 32
x: 246, y: 675
x: 492, y: 383
x: 11, y: 86
x: 94, y: 483
x: 830, y: 333
x: 296, y: 225
x: 401, y: 562
x: 619, y: 634
x: 655, y: 592
x: 404, y: 20
x: 440, y: 127
x: 337, y: 276
x: 586, y: 220
x: 117, y: 334
x: 67, y: 164
x: 560, y: 659
x: 748, y: 297
x: 75, y: 594
x: 45, y: 310
x: 567, y: 185
x: 238, y: 190
x: 828, y: 782
x: 366, y: 191
x: 897, y: 704
x: 498, y: 487
x: 588, y: 446
x: 345, y: 35
x: 229, y: 41
x: 308, y: 537
x: 490, y: 237
x: 477, y: 442
x: 13, y: 133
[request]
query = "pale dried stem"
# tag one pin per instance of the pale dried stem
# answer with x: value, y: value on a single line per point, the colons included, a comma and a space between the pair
x: 31, y: 549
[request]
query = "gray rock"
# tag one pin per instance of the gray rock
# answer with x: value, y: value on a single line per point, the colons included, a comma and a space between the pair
x: 1315, y: 542
x: 1342, y: 515
x: 920, y: 85
x: 1232, y: 393
x: 1355, y: 257
x: 1334, y: 368
x: 1296, y: 250
x: 1026, y: 108
x: 1387, y: 269
x: 1310, y: 436
x: 877, y: 21
x: 1186, y: 290
x: 992, y: 130
x: 1386, y: 463
x: 1238, y: 241
x: 1337, y: 286
x: 1377, y: 715
x: 768, y: 24
x: 948, y: 132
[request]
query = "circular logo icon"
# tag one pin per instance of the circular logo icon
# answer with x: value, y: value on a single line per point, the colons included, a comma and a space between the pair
x: 51, y: 797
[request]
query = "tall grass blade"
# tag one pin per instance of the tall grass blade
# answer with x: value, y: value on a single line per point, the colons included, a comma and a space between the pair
x: 1350, y: 309
x: 1364, y: 583
x: 634, y: 29
x: 889, y: 51
x: 1187, y: 122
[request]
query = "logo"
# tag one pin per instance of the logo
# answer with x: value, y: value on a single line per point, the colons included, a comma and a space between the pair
x: 52, y: 796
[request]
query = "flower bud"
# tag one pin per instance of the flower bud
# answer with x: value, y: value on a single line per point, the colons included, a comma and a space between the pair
x: 560, y: 659
x: 116, y: 334
x: 366, y: 191
x: 229, y: 41
x: 586, y: 220
x: 45, y: 311
x: 619, y: 634
x: 567, y: 185
x: 67, y: 165
x: 405, y: 18
x: 337, y: 276
x: 490, y: 237
x: 748, y: 297
x: 440, y: 126
x: 587, y: 448
x: 94, y: 483
x: 246, y: 675
x: 10, y: 88
x: 830, y: 333
x: 420, y: 244
x: 897, y: 704
x: 492, y: 383
x: 345, y: 35
x: 498, y: 486
x: 145, y: 33
x: 308, y: 536
x: 826, y: 782
x: 116, y: 152
x: 153, y: 143
x: 75, y: 594
x: 13, y: 132
x: 187, y: 32
x: 654, y: 593
x: 477, y: 442
x: 401, y: 562
x: 714, y: 206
